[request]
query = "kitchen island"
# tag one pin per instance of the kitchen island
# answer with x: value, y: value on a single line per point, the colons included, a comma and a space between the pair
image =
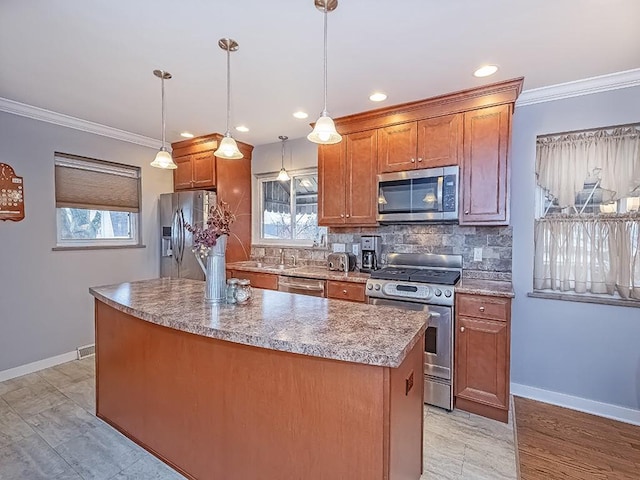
x: 286, y: 387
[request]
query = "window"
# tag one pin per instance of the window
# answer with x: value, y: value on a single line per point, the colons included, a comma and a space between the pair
x: 288, y: 211
x: 587, y: 229
x: 97, y: 202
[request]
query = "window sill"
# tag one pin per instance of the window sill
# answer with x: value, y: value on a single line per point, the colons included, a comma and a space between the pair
x: 96, y: 247
x: 576, y: 297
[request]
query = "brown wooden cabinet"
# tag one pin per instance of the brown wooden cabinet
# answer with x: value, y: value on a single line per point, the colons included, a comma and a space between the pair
x: 199, y: 169
x: 196, y: 171
x: 268, y: 281
x: 429, y: 143
x: 347, y: 181
x: 482, y: 355
x: 485, y: 166
x: 346, y: 291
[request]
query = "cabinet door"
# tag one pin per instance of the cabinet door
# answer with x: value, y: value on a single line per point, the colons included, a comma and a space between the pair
x: 233, y: 186
x: 331, y: 185
x: 397, y: 147
x: 182, y: 176
x: 485, y: 168
x: 361, y: 186
x: 203, y: 167
x: 439, y: 141
x: 267, y: 281
x: 482, y: 353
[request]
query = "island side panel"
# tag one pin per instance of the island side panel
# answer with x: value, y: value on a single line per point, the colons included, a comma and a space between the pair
x: 216, y: 409
x: 406, y: 419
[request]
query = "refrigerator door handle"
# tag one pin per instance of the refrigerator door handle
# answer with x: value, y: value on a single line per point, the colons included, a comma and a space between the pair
x: 182, y: 235
x: 174, y: 236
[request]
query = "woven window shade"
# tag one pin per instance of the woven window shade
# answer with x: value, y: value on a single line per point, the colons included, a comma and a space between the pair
x: 90, y: 184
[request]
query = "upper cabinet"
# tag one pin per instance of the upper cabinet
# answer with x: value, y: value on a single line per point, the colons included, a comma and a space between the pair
x: 485, y: 166
x: 433, y: 142
x: 347, y: 181
x: 199, y: 169
x: 471, y: 128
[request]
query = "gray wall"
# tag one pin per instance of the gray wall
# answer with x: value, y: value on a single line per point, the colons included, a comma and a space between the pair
x: 45, y: 306
x: 268, y: 158
x: 585, y: 350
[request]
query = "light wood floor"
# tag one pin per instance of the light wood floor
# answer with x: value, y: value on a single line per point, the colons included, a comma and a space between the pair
x: 558, y: 443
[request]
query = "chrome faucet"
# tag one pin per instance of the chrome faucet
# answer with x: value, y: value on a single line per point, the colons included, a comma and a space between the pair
x: 282, y: 256
x: 293, y: 260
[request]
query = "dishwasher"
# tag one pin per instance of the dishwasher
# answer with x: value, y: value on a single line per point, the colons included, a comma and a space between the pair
x: 302, y: 286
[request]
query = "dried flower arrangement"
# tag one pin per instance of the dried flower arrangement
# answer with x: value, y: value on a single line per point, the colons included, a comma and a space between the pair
x: 218, y: 223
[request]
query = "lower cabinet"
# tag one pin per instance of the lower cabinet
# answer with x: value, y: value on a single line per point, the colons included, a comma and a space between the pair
x: 482, y: 355
x: 346, y: 291
x: 267, y: 281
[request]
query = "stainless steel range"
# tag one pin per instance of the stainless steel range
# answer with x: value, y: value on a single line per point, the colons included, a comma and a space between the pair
x: 424, y: 282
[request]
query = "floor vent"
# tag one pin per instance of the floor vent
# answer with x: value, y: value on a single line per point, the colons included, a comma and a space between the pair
x: 86, y: 351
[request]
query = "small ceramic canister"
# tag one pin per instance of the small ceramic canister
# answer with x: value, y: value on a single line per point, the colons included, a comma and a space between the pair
x: 243, y: 291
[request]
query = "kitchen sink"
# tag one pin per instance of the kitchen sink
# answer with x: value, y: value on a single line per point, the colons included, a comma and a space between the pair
x: 266, y: 266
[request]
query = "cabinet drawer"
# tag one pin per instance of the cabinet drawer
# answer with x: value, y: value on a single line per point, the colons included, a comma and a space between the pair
x: 494, y: 308
x: 346, y: 291
x: 258, y: 280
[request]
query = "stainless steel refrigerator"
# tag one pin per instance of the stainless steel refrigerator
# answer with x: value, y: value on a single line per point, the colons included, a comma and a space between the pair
x: 177, y: 259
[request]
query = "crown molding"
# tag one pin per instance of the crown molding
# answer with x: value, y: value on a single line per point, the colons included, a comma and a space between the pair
x: 29, y: 111
x: 586, y: 86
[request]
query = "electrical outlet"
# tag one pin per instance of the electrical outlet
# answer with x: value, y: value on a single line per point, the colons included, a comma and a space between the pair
x: 338, y: 247
x: 477, y: 254
x: 355, y: 249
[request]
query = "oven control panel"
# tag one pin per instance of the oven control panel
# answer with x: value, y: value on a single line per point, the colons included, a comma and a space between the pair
x: 410, y: 291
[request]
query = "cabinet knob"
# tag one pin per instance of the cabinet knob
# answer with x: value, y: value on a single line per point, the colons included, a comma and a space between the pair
x: 348, y: 215
x: 413, y: 160
x: 462, y: 329
x: 419, y: 159
x: 466, y: 212
x: 481, y: 309
x: 342, y: 215
x: 344, y: 292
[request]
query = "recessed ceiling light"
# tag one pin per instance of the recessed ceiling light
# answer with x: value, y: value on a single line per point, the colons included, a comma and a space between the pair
x: 378, y: 97
x: 485, y: 71
x: 186, y: 135
x: 242, y: 128
x: 301, y: 114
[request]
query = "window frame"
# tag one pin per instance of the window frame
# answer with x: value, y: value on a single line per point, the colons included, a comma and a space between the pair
x: 258, y: 209
x: 100, y: 166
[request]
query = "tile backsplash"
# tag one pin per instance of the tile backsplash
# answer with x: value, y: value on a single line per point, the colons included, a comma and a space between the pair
x: 495, y: 242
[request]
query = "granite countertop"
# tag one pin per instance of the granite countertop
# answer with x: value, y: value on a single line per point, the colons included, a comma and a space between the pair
x: 320, y: 327
x: 306, y: 271
x: 495, y: 288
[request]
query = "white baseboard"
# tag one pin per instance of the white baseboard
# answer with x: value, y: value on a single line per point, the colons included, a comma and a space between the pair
x: 607, y: 410
x: 39, y: 365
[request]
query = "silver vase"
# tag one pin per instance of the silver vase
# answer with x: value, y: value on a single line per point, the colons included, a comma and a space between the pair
x: 216, y: 284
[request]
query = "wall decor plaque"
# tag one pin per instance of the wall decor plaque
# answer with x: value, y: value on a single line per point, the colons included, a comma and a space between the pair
x: 11, y: 194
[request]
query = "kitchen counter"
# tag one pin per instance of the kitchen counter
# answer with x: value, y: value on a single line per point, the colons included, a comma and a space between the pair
x: 494, y: 288
x: 305, y: 271
x: 319, y: 327
x: 287, y: 386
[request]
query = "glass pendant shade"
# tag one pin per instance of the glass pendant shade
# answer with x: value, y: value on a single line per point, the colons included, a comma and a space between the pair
x: 228, y: 148
x: 324, y: 131
x: 163, y: 160
x: 283, y: 176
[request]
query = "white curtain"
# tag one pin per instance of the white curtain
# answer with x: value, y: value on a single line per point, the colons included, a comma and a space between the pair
x: 564, y: 162
x: 588, y: 254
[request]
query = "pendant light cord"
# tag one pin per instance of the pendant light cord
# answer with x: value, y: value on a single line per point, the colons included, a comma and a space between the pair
x: 282, y: 163
x: 162, y: 73
x: 228, y: 87
x: 324, y: 111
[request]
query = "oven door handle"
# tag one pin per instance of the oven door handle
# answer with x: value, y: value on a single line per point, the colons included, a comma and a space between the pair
x: 434, y: 314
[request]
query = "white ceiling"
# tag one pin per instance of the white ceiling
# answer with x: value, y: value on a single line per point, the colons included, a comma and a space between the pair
x: 94, y: 59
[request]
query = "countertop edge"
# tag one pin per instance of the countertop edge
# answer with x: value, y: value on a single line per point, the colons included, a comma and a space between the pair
x: 291, y: 272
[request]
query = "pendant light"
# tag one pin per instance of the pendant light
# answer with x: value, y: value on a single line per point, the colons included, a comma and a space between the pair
x: 283, y: 176
x: 163, y: 157
x: 228, y: 147
x: 324, y: 131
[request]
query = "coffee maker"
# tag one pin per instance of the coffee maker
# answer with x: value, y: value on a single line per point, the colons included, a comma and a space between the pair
x: 371, y: 250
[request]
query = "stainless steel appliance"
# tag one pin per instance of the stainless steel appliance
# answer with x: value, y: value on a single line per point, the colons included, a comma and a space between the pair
x: 371, y: 246
x: 418, y: 195
x: 303, y: 286
x: 341, y: 262
x: 424, y: 282
x: 176, y: 209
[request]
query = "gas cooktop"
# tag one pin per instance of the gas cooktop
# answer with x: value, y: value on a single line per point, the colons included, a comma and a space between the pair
x: 420, y: 275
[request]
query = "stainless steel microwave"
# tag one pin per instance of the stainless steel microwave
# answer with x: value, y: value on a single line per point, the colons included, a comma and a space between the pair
x: 418, y: 195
